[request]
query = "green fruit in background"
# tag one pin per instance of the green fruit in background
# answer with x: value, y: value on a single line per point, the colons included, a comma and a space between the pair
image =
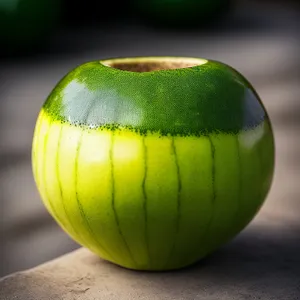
x: 24, y: 23
x: 153, y: 163
x: 87, y: 12
x: 182, y: 12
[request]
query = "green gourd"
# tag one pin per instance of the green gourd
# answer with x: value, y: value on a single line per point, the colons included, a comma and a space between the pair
x: 153, y: 162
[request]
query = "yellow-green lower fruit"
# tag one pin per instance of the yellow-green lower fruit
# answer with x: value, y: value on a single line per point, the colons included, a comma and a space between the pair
x: 144, y: 198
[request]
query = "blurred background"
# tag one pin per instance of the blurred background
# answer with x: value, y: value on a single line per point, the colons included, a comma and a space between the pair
x: 43, y: 40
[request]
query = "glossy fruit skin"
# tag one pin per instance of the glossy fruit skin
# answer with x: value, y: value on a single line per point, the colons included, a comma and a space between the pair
x: 182, y: 13
x: 153, y: 170
x: 25, y: 23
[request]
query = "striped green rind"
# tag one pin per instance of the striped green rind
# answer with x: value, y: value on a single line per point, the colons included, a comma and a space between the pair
x: 209, y: 97
x: 151, y: 202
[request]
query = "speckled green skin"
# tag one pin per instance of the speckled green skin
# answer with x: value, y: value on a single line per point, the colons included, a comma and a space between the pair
x: 198, y: 100
x: 153, y: 170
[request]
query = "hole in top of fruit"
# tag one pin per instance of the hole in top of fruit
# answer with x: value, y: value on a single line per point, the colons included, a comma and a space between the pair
x: 149, y: 64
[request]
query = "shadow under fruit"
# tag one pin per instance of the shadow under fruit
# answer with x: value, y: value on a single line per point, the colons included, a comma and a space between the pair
x: 153, y: 162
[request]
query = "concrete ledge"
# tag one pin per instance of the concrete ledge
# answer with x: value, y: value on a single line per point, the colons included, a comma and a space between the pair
x: 261, y: 263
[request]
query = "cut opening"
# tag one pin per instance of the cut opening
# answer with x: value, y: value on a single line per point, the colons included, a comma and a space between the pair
x: 149, y: 64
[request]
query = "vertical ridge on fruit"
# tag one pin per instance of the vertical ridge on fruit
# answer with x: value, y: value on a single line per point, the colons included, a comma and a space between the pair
x: 239, y: 184
x: 213, y: 170
x: 145, y: 199
x: 47, y: 198
x: 113, y: 199
x: 72, y: 227
x: 79, y: 204
x: 173, y: 147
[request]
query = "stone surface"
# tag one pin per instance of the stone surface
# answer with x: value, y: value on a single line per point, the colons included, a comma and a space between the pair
x: 263, y: 262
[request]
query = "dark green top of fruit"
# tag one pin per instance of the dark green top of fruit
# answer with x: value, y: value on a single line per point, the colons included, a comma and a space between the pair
x: 155, y: 94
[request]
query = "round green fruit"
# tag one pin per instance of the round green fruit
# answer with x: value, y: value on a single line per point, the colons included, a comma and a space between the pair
x: 153, y: 162
x: 25, y: 23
